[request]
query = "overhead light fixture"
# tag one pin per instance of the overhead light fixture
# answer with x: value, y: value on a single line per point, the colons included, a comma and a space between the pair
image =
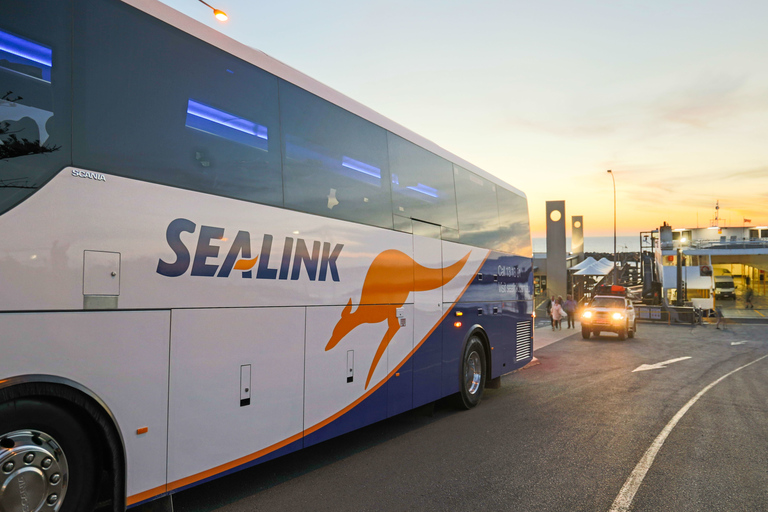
x: 220, y: 15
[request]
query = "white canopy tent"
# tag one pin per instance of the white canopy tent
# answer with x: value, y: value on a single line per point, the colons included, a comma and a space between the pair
x: 595, y: 269
x: 587, y: 262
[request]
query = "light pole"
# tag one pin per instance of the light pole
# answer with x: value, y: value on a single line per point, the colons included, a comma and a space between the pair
x: 615, y: 271
x: 220, y: 15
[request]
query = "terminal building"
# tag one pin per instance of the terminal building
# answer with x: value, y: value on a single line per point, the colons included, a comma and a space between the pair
x: 716, y: 263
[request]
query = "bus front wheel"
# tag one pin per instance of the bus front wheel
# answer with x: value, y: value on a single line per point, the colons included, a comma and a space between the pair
x: 473, y: 373
x: 46, y: 459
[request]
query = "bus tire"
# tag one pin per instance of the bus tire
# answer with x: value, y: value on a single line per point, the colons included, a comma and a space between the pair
x: 473, y: 373
x: 585, y: 333
x: 46, y: 448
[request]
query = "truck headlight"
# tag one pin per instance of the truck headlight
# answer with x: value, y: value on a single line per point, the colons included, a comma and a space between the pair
x: 587, y: 314
x: 618, y: 316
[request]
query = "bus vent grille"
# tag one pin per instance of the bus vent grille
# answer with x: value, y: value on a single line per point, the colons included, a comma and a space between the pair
x: 524, y: 341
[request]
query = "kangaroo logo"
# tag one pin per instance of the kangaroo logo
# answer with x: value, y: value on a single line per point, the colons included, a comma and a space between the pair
x: 390, y: 278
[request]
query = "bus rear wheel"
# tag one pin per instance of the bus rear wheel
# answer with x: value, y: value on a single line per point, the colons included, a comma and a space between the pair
x: 473, y: 374
x: 47, y: 461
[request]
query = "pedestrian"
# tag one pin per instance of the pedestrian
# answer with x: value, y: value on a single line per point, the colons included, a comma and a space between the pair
x: 570, y: 309
x: 550, y: 303
x: 748, y: 298
x: 719, y: 314
x: 557, y: 313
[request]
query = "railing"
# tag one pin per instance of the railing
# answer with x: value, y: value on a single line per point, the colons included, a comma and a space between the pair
x: 753, y: 243
x: 675, y: 314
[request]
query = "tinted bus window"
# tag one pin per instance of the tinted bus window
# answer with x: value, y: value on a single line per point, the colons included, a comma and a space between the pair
x: 478, y: 211
x: 335, y: 162
x: 35, y: 90
x: 514, y: 232
x: 422, y: 184
x: 168, y: 108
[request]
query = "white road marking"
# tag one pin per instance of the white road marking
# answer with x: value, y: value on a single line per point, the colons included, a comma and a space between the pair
x: 627, y: 493
x: 738, y: 342
x: 658, y: 366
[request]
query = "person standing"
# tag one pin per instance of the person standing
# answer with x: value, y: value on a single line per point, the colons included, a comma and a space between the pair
x: 719, y: 315
x: 570, y: 309
x: 557, y: 313
x: 550, y: 303
x: 748, y: 298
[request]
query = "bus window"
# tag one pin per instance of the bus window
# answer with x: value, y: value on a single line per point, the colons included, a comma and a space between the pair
x: 335, y: 162
x: 478, y: 211
x: 422, y: 184
x: 190, y: 116
x: 34, y: 100
x: 515, y: 233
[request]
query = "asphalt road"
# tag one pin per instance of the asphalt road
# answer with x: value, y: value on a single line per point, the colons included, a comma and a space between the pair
x: 561, y: 436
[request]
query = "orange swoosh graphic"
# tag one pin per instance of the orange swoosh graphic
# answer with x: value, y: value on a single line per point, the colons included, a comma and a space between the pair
x: 245, y: 264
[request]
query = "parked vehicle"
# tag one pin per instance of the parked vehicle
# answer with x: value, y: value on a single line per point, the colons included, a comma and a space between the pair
x: 725, y: 287
x: 609, y: 313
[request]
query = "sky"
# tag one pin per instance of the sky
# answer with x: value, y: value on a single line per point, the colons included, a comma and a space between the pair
x: 671, y: 95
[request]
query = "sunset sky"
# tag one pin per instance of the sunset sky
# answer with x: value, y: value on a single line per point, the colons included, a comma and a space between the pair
x: 671, y: 95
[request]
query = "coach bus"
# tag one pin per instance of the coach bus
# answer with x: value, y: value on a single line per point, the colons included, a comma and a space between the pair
x: 209, y: 260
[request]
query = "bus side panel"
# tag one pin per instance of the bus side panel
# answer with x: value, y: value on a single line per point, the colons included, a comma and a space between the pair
x: 427, y: 369
x: 498, y: 331
x: 453, y: 344
x: 336, y: 376
x: 400, y: 390
x: 504, y: 347
x: 122, y: 357
x: 497, y: 298
x: 400, y: 364
x: 236, y: 388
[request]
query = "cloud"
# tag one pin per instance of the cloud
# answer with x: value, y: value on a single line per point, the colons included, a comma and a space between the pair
x: 760, y: 173
x: 709, y: 100
x: 561, y: 129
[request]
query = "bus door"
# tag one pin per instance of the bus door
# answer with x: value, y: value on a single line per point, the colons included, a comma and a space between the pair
x: 428, y: 310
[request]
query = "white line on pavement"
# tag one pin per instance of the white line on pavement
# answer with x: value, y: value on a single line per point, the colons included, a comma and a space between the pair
x: 738, y: 342
x: 624, y: 500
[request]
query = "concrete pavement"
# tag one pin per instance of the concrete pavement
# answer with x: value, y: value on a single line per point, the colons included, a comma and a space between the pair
x: 543, y: 334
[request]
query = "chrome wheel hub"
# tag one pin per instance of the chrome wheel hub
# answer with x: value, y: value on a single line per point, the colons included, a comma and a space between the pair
x: 473, y: 373
x: 33, y: 472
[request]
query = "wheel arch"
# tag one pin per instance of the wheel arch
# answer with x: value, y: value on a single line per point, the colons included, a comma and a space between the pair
x: 478, y: 330
x: 87, y: 405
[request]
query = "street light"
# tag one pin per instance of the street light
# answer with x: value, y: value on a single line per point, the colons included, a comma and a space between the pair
x: 220, y: 15
x: 615, y: 271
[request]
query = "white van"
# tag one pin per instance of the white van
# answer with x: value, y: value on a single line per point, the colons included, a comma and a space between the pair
x: 724, y: 287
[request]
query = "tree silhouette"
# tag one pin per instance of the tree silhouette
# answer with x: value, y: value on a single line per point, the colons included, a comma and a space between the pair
x: 13, y: 146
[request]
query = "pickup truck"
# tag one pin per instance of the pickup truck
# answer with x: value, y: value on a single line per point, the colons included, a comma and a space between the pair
x: 609, y: 313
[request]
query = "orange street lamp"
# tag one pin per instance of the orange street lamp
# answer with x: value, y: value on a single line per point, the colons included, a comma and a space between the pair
x: 220, y: 15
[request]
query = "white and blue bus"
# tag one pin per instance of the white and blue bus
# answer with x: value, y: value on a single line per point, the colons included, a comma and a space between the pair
x: 208, y: 259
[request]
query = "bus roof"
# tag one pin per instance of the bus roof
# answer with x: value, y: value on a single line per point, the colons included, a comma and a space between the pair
x: 260, y: 59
